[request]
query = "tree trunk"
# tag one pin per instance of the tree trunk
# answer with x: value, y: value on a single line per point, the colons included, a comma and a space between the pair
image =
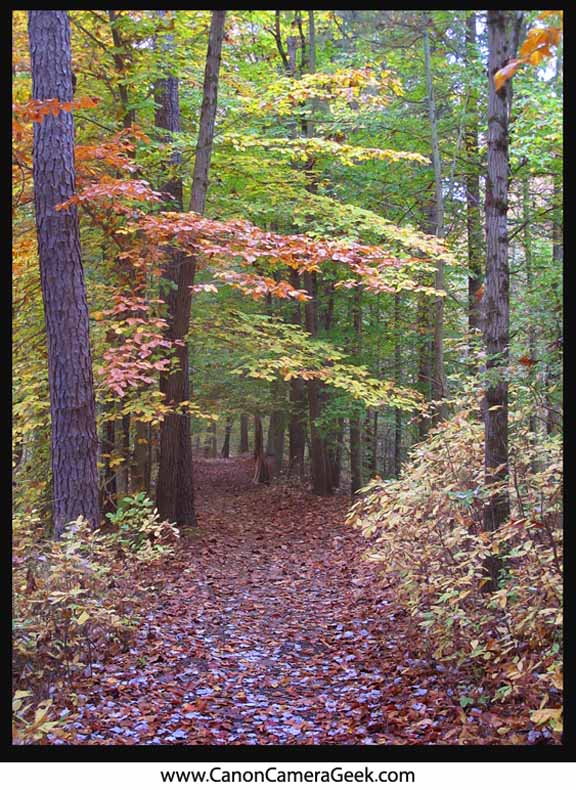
x: 496, y: 297
x: 398, y: 381
x: 244, y: 443
x: 439, y: 384
x: 355, y: 418
x: 319, y: 464
x: 129, y: 115
x: 527, y: 244
x: 225, y: 452
x: 141, y: 471
x: 123, y: 446
x: 552, y: 414
x: 109, y: 489
x: 74, y: 440
x: 374, y: 459
x: 297, y: 418
x: 211, y: 446
x: 261, y: 470
x: 175, y: 493
x: 275, y: 444
x: 335, y: 455
x: 472, y: 180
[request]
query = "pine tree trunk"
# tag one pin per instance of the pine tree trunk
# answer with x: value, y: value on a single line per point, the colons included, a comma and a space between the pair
x: 496, y: 297
x: 74, y: 440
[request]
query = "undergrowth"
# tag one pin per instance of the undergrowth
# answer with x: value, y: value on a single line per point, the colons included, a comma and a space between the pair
x: 75, y: 601
x: 427, y: 534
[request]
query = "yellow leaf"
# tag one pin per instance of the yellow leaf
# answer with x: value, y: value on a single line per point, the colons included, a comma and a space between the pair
x: 83, y: 617
x: 98, y: 315
x: 546, y: 714
x: 19, y: 694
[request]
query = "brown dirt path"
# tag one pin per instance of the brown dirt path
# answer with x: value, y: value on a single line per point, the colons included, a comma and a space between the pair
x: 269, y: 628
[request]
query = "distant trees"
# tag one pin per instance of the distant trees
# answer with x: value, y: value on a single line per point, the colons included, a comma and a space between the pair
x: 72, y: 410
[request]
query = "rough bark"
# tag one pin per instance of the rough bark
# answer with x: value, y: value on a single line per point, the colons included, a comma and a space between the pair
x: 501, y: 25
x: 176, y: 503
x: 74, y: 440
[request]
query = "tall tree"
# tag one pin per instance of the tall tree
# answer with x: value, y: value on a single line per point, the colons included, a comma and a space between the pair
x: 73, y: 422
x: 439, y: 384
x: 174, y: 502
x: 355, y: 418
x: 503, y: 29
x: 472, y: 182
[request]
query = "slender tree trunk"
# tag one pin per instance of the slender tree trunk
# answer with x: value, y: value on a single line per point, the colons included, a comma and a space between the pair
x: 476, y: 252
x: 109, y: 489
x: 319, y: 463
x: 439, y: 384
x: 297, y: 419
x: 261, y: 470
x: 527, y: 244
x: 398, y: 381
x: 129, y: 115
x: 175, y: 493
x: 141, y: 471
x: 496, y: 297
x: 374, y: 459
x: 355, y: 418
x: 336, y: 455
x: 244, y: 443
x: 123, y: 446
x: 74, y: 441
x: 225, y: 452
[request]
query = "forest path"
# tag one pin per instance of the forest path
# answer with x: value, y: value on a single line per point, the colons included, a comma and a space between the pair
x: 268, y: 629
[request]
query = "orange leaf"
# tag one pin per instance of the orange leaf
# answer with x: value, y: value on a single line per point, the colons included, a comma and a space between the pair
x: 506, y: 73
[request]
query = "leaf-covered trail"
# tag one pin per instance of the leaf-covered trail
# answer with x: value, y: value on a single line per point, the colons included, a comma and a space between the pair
x: 270, y: 629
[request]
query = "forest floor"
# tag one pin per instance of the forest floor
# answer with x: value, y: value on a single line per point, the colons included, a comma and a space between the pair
x: 271, y: 628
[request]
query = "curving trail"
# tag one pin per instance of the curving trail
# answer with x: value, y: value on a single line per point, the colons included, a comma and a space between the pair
x: 270, y: 628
